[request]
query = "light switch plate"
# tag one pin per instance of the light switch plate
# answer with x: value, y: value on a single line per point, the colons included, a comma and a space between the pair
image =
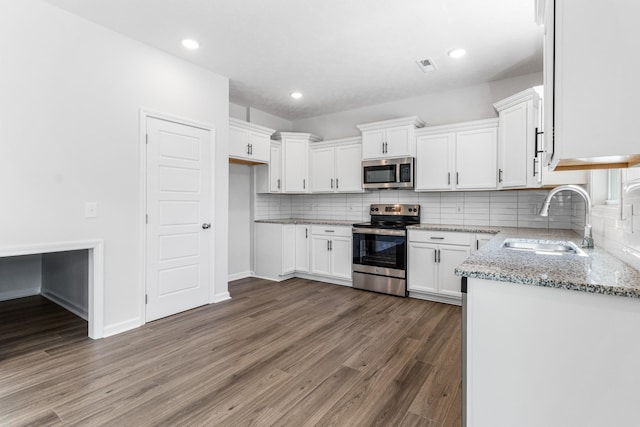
x: 91, y: 210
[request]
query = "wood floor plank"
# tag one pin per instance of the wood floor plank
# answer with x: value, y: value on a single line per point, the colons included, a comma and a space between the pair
x: 298, y: 352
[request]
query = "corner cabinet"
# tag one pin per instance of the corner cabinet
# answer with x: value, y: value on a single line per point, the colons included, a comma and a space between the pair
x: 335, y: 166
x: 461, y: 156
x: 295, y: 160
x: 389, y: 138
x: 591, y: 107
x: 249, y: 143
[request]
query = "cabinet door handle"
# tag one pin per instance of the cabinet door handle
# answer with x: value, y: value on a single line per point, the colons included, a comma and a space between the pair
x: 278, y: 183
x: 251, y: 148
x: 448, y: 178
x: 248, y: 152
x: 457, y: 179
x: 328, y: 245
x: 536, y: 151
x: 534, y: 167
x: 304, y: 184
x: 329, y: 231
x: 437, y: 238
x: 337, y: 181
x: 438, y: 256
x: 332, y: 183
x: 499, y: 175
x: 435, y: 256
x: 306, y: 233
x: 477, y: 244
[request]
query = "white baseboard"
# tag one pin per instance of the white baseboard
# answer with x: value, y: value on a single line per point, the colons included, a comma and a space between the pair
x: 224, y: 296
x: 331, y: 280
x: 118, y: 328
x: 21, y: 293
x: 242, y: 275
x: 275, y: 279
x: 436, y: 298
x: 66, y: 304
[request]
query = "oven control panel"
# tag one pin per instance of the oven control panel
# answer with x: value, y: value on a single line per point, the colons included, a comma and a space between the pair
x: 398, y: 209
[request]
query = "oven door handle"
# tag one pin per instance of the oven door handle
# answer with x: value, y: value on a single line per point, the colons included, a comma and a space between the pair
x: 379, y: 231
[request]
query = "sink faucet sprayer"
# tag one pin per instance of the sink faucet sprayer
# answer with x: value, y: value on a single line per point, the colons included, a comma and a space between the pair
x: 587, y: 239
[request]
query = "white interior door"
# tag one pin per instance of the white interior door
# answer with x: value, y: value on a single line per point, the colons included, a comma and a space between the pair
x: 178, y: 209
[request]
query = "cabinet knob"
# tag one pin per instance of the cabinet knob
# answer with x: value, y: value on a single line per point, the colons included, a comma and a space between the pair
x: 206, y: 226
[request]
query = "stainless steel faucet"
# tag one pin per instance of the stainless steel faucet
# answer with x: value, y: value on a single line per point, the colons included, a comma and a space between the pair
x: 587, y: 239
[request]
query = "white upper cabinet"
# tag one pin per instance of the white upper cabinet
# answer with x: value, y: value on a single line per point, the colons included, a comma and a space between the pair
x: 592, y: 97
x: 521, y: 145
x: 268, y: 178
x: 335, y: 166
x: 389, y: 138
x: 461, y: 156
x: 249, y: 142
x: 295, y: 160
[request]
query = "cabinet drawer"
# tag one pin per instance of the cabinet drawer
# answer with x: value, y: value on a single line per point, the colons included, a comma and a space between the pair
x: 440, y: 237
x: 329, y: 230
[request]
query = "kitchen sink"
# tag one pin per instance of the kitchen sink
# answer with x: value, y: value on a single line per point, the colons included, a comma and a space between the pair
x: 543, y: 247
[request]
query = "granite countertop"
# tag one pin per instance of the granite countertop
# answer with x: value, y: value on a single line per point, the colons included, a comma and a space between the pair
x: 598, y: 272
x: 456, y: 228
x: 308, y: 221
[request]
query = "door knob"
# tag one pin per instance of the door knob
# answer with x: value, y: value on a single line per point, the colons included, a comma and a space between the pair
x: 206, y: 225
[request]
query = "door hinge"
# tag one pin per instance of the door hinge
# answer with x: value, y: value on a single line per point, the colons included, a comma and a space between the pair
x: 146, y: 299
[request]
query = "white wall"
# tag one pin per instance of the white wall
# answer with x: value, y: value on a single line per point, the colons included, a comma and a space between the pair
x: 69, y: 133
x: 65, y: 280
x: 459, y: 105
x: 20, y: 276
x: 240, y: 221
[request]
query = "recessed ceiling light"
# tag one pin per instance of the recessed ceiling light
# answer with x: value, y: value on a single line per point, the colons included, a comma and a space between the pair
x: 296, y: 95
x: 457, y: 53
x: 190, y: 44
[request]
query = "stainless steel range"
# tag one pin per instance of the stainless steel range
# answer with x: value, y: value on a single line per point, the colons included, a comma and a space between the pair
x: 380, y: 249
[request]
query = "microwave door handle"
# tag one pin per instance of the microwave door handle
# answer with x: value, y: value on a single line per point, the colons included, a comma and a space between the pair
x: 398, y: 168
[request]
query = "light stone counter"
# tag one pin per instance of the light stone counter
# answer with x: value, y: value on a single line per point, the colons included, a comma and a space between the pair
x: 598, y: 272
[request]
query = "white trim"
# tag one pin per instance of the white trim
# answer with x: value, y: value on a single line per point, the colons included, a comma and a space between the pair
x: 66, y: 304
x: 224, y: 296
x: 95, y: 279
x: 324, y: 279
x: 436, y: 298
x: 121, y: 327
x: 250, y: 127
x: 458, y: 127
x: 279, y: 136
x: 404, y: 121
x: 241, y: 275
x: 22, y: 293
x: 520, y: 97
x: 144, y: 114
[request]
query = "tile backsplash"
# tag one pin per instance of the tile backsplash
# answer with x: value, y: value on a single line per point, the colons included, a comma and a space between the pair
x: 490, y: 208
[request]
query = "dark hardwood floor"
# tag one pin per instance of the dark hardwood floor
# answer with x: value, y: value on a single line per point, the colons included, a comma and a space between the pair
x: 295, y: 353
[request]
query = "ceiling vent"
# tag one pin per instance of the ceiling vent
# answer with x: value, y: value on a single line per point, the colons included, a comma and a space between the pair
x: 426, y: 65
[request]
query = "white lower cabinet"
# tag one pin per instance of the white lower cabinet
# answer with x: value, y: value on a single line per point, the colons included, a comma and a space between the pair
x: 331, y: 251
x: 433, y: 257
x: 480, y: 239
x: 283, y: 250
x: 302, y: 248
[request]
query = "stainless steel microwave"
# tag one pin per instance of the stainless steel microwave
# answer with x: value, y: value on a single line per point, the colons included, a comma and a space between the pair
x: 388, y: 173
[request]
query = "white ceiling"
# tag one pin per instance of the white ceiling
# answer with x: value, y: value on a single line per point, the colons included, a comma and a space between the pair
x: 341, y: 54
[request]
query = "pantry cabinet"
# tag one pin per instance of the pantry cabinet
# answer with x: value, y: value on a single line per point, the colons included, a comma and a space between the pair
x: 432, y: 259
x: 591, y: 96
x: 249, y: 142
x: 461, y: 156
x: 389, y: 138
x: 335, y: 166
